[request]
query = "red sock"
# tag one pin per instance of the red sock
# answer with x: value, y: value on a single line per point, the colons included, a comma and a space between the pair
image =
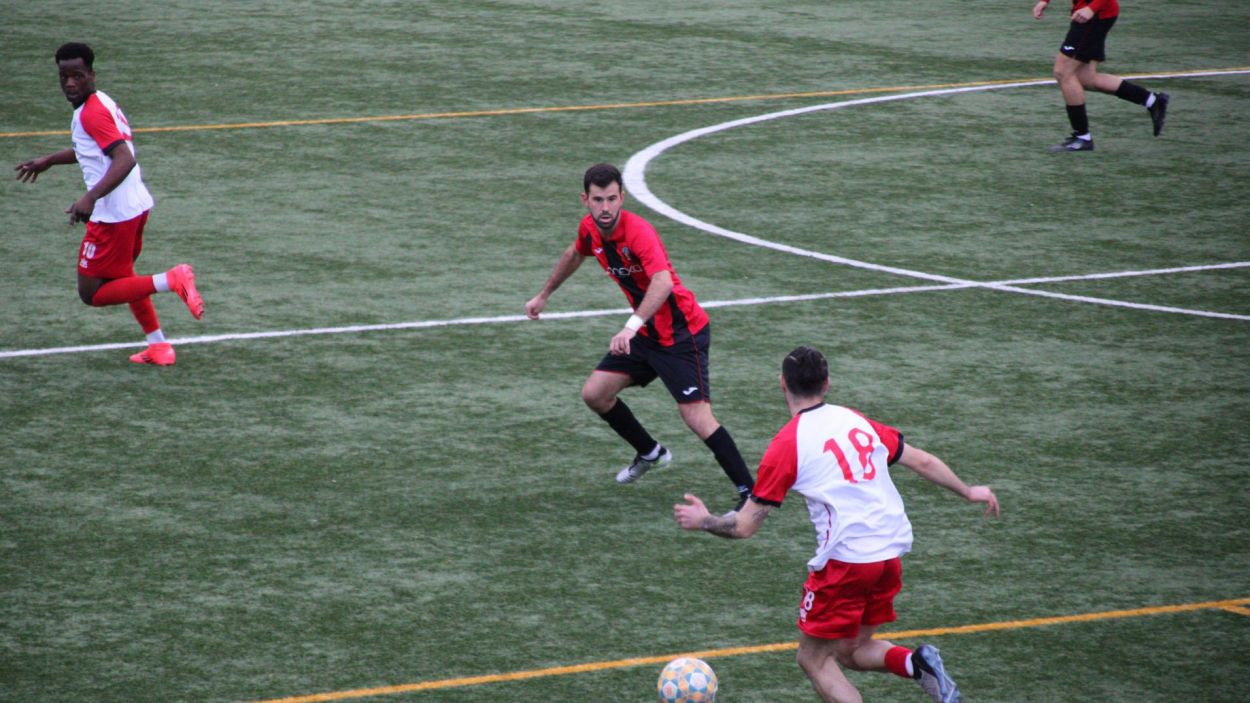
x: 896, y: 661
x: 124, y: 290
x: 145, y: 312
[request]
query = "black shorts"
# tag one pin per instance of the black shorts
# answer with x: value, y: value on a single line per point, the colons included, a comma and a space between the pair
x: 1087, y: 42
x: 682, y: 367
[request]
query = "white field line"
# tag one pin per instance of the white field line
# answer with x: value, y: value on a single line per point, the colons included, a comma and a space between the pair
x: 772, y: 300
x: 635, y: 183
x: 635, y: 179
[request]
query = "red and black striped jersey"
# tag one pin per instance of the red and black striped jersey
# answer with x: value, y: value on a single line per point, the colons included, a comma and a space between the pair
x: 1104, y: 9
x: 631, y: 257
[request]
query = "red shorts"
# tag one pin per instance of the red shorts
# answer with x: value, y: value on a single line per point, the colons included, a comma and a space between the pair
x: 109, y: 249
x: 841, y: 598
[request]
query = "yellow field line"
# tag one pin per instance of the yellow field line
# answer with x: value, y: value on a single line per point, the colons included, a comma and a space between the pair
x: 523, y: 110
x: 1230, y: 605
x: 567, y: 108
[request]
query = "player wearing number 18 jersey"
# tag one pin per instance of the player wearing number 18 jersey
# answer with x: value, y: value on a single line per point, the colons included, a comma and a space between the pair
x: 839, y: 460
x: 857, y: 511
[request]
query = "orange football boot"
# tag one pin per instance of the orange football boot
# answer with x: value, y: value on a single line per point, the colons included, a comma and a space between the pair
x: 181, y: 280
x: 160, y: 354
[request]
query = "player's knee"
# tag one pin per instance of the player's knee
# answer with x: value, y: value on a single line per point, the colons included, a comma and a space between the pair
x: 1066, y: 68
x: 805, y: 662
x: 698, y: 417
x: 846, y: 658
x: 596, y: 400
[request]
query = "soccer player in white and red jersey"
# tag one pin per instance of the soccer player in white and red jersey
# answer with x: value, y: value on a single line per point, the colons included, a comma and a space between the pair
x: 1076, y: 69
x: 115, y: 207
x: 839, y: 460
x: 667, y: 337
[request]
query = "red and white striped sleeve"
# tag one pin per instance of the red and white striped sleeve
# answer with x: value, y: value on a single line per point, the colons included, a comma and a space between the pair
x: 779, y: 468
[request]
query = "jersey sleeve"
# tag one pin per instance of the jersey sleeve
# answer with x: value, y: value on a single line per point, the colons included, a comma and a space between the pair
x: 646, y: 245
x: 890, y: 437
x: 98, y: 122
x: 779, y: 468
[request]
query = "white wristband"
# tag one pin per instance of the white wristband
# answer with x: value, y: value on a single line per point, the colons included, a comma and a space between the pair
x: 633, y: 323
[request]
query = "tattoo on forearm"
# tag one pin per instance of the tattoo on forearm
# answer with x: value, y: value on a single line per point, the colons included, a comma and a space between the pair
x: 722, y: 525
x: 727, y: 525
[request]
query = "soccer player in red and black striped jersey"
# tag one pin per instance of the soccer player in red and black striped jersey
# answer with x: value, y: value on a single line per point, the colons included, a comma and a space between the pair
x: 1076, y: 69
x: 667, y: 337
x: 115, y: 206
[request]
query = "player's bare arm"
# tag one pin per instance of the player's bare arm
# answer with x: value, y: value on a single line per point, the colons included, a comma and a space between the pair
x: 1040, y: 8
x: 694, y: 515
x: 935, y: 470
x: 1083, y: 15
x: 657, y: 292
x: 565, y: 266
x: 738, y: 525
x: 121, y: 164
x: 28, y: 171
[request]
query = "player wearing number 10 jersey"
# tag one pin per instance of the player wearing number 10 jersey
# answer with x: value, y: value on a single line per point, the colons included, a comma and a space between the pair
x: 839, y: 460
x: 115, y: 207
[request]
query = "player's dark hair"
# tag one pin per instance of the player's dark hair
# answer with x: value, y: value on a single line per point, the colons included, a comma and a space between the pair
x: 602, y: 175
x: 805, y: 372
x: 76, y: 50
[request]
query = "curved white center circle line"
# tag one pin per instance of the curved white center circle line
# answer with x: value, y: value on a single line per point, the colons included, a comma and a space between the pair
x: 635, y: 182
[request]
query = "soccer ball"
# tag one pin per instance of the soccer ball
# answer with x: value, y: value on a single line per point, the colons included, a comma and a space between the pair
x: 687, y: 680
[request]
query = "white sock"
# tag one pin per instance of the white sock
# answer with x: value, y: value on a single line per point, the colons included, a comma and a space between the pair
x: 1087, y: 136
x: 1150, y: 101
x: 653, y: 454
x: 156, y: 337
x: 161, y: 282
x: 911, y: 670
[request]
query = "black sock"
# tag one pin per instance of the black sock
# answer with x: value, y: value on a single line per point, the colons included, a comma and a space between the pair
x: 726, y: 453
x: 621, y: 419
x: 1132, y: 93
x: 1078, y: 118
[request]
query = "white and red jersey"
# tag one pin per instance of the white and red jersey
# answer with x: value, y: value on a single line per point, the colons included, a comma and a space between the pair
x: 97, y: 125
x: 839, y: 461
